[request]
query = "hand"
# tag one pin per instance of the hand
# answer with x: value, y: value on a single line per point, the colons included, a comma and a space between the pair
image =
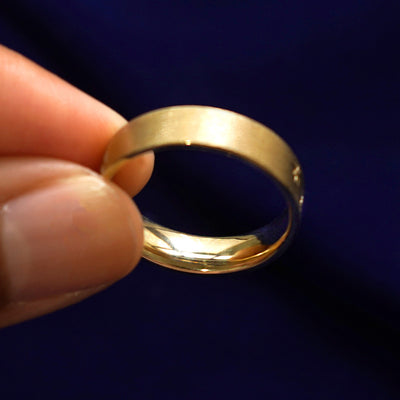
x: 65, y: 233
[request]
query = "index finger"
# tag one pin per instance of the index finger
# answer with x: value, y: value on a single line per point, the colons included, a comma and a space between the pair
x: 41, y: 114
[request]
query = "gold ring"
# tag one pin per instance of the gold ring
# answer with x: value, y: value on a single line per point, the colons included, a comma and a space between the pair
x: 228, y: 132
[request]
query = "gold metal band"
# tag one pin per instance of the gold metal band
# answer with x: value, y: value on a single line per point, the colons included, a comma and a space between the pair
x: 231, y: 133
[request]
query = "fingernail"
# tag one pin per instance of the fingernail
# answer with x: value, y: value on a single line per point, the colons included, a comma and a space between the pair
x: 71, y: 235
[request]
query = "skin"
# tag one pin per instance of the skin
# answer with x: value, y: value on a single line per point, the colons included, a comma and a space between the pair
x: 65, y: 232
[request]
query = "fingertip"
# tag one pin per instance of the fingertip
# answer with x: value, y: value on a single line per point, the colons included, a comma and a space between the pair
x: 130, y: 215
x: 134, y: 175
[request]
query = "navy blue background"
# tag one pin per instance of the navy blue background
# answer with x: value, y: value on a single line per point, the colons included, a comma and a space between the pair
x: 320, y: 323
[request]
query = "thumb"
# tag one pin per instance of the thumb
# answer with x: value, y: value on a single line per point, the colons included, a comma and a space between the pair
x: 65, y: 233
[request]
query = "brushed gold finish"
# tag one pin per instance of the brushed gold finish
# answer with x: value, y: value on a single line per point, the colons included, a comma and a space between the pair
x: 228, y: 132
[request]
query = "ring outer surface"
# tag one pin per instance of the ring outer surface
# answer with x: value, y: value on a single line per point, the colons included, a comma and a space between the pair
x: 230, y: 133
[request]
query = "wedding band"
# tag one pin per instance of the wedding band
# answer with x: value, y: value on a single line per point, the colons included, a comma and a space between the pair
x: 231, y: 133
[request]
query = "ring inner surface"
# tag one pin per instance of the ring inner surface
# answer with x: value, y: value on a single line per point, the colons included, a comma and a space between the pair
x: 211, y: 197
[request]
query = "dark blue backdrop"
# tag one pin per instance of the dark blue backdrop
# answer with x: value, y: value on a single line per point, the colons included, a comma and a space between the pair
x: 323, y: 321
